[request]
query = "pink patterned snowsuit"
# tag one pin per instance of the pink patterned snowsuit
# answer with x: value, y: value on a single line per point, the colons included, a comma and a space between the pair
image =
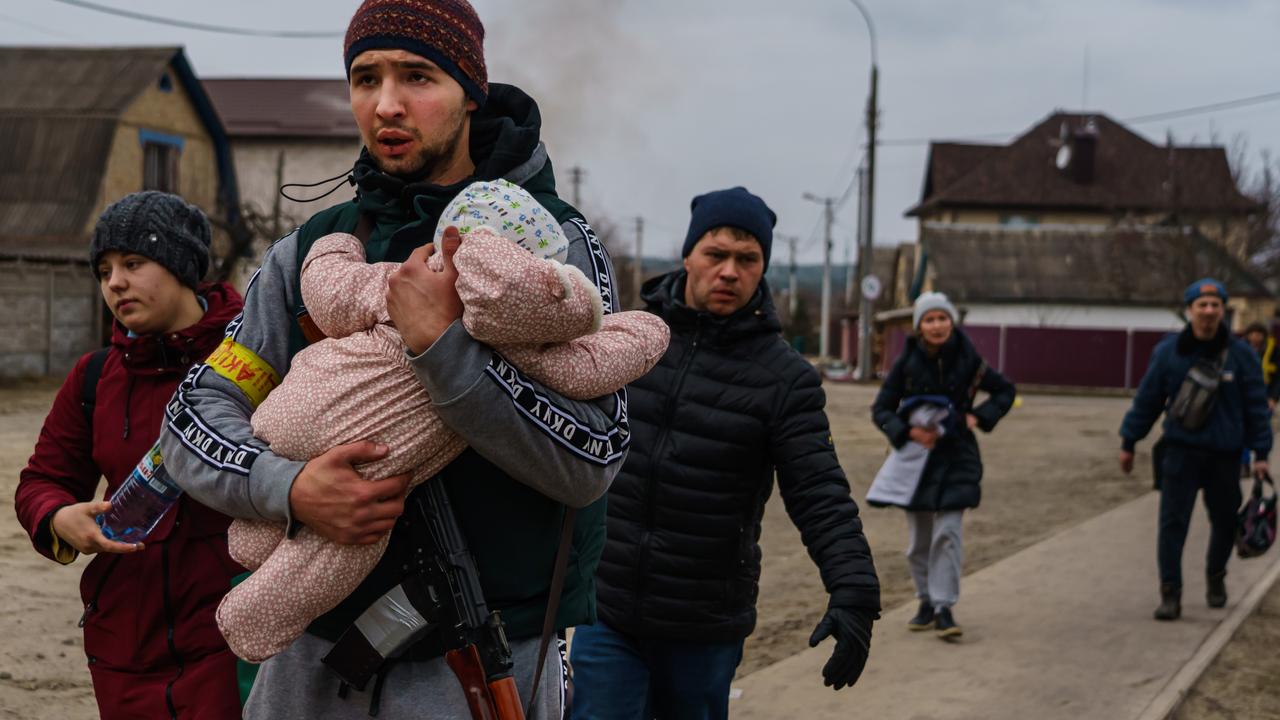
x: 542, y: 316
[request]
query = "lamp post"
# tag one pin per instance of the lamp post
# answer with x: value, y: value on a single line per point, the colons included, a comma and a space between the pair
x: 865, y: 252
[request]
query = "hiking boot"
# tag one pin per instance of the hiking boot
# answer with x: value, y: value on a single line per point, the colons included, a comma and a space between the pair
x: 1216, y: 589
x: 923, y: 619
x: 1170, y: 603
x: 946, y: 625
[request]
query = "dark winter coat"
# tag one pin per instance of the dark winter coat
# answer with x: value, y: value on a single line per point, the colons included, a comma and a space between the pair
x: 953, y: 475
x: 153, y: 648
x: 728, y: 405
x: 1240, y: 418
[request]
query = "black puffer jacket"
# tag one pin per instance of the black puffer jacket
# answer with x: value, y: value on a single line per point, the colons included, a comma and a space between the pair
x: 952, y: 476
x: 728, y: 403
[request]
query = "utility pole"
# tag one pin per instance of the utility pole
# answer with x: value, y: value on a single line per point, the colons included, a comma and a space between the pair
x: 864, y: 259
x: 576, y: 173
x: 637, y: 263
x: 851, y: 292
x: 793, y: 292
x: 824, y: 332
x: 276, y: 229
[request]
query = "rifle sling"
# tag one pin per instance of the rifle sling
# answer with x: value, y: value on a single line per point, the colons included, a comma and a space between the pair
x: 553, y: 601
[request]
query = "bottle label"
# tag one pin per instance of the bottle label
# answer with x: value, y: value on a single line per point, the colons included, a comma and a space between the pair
x: 151, y: 473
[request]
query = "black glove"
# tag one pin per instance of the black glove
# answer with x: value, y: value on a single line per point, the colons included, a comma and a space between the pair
x: 851, y: 628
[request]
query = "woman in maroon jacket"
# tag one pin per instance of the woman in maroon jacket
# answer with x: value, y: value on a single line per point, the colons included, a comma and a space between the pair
x: 153, y: 647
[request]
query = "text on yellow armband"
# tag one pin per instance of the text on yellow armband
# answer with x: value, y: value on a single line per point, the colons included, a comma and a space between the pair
x: 242, y: 366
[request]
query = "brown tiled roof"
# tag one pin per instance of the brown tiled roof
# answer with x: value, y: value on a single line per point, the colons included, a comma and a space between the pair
x: 949, y: 161
x: 283, y: 107
x: 1129, y: 266
x: 66, y: 81
x: 1130, y: 174
x: 58, y: 115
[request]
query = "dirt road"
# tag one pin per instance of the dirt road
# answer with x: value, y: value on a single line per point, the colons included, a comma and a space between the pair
x: 1051, y: 464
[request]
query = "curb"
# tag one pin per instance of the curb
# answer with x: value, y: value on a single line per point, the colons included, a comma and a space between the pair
x: 1175, y: 691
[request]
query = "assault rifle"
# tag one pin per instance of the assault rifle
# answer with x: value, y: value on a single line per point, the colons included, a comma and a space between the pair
x: 443, y: 596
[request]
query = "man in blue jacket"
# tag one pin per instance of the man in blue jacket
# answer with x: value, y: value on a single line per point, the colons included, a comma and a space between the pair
x: 1200, y: 455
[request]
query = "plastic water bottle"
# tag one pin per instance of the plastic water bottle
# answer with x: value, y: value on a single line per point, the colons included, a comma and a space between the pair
x: 138, y: 504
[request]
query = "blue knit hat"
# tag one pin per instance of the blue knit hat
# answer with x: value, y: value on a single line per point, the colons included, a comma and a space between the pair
x: 734, y: 207
x: 1204, y: 286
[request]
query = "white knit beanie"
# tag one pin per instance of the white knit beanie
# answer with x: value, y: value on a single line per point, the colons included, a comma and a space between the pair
x: 931, y: 301
x: 511, y: 211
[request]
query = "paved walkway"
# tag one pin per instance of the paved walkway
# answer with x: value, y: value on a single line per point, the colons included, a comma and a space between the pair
x: 1062, y: 629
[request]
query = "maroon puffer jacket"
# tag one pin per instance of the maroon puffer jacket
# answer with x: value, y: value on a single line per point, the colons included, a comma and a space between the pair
x: 153, y: 647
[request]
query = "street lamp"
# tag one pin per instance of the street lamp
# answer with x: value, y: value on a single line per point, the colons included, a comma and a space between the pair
x: 865, y: 252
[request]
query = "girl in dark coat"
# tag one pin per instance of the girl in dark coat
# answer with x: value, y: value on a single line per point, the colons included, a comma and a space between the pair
x: 940, y: 361
x: 152, y: 646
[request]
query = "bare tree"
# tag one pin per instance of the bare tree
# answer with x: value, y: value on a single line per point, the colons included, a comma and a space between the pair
x: 1262, y: 242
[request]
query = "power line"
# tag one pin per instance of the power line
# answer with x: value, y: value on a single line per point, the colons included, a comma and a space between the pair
x: 1200, y: 109
x: 1135, y: 120
x: 40, y: 28
x: 225, y: 30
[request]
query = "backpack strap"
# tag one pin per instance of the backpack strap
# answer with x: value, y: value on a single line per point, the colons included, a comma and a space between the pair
x: 89, y: 391
x: 311, y: 332
x: 364, y: 228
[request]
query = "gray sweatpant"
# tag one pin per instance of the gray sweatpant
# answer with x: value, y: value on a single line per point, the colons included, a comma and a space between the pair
x: 935, y: 555
x: 295, y: 685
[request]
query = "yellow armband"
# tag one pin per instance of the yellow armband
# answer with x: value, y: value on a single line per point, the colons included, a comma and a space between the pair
x: 242, y: 366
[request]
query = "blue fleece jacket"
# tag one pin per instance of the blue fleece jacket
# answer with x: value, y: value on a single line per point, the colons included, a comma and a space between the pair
x: 1240, y: 418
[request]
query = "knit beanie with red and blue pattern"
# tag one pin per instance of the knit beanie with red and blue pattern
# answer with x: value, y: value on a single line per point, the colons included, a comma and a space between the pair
x: 446, y: 32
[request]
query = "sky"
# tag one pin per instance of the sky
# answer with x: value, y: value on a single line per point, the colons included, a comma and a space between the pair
x: 660, y: 100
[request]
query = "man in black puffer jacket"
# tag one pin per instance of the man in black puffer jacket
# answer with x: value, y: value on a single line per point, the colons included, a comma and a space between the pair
x: 728, y: 405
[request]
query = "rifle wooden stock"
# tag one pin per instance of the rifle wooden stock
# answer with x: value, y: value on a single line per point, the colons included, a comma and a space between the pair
x: 506, y: 699
x: 465, y: 663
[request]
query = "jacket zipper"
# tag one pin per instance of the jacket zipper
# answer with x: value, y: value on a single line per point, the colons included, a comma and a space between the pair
x: 651, y: 488
x: 169, y: 622
x: 92, y: 607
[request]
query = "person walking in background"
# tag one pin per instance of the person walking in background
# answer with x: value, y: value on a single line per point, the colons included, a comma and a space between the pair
x: 153, y: 648
x: 728, y: 406
x: 1209, y: 387
x: 940, y: 366
x: 1264, y: 345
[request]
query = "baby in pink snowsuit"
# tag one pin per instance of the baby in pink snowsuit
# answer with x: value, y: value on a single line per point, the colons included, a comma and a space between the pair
x: 544, y: 317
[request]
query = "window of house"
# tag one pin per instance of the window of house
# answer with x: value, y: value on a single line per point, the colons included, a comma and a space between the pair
x: 1019, y: 221
x: 166, y: 83
x: 159, y: 167
x: 161, y: 156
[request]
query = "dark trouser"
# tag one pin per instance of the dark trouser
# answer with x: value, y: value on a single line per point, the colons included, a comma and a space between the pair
x: 616, y: 677
x: 1187, y: 470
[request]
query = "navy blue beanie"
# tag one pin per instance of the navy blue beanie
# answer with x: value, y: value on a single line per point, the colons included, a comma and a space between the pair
x: 734, y: 207
x: 1203, y: 286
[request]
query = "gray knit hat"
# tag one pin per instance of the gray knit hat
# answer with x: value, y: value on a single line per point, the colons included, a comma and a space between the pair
x: 931, y: 301
x: 157, y: 225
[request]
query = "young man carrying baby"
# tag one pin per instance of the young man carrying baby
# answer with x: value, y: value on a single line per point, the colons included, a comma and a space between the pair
x: 431, y: 124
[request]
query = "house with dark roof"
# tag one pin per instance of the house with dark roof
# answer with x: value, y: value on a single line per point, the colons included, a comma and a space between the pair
x: 1073, y: 305
x: 83, y: 127
x: 285, y: 130
x: 1085, y: 169
x: 1067, y: 250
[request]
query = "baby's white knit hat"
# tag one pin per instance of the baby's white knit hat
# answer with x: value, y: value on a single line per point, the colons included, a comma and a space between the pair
x: 511, y: 211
